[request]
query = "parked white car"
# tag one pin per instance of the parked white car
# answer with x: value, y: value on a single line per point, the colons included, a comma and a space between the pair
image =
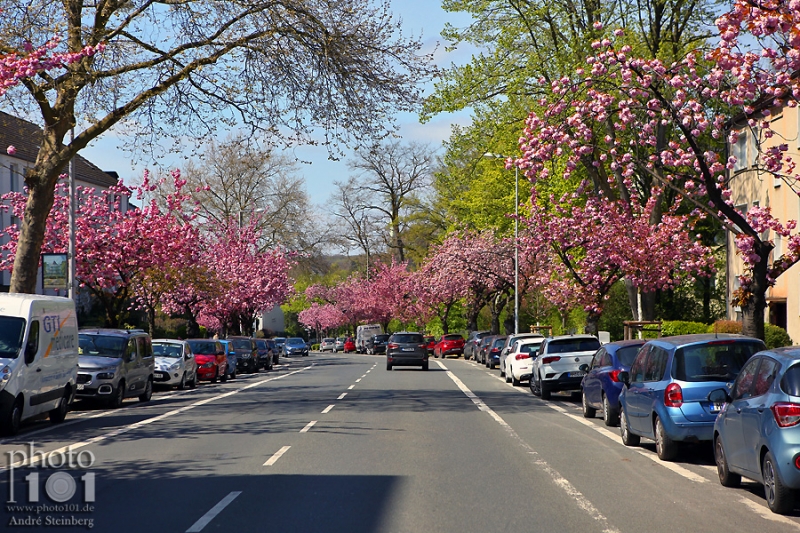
x: 509, y: 346
x: 557, y: 367
x: 519, y: 361
x: 175, y: 364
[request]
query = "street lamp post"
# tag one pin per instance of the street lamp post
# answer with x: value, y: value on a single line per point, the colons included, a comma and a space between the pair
x: 516, y: 239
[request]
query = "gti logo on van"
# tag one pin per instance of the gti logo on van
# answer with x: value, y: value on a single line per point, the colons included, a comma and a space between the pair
x: 51, y: 323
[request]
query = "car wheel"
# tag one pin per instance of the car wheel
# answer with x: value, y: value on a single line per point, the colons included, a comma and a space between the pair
x: 182, y: 384
x: 119, y: 395
x: 13, y: 419
x: 425, y: 365
x: 503, y: 371
x: 588, y: 411
x: 545, y: 394
x: 610, y: 418
x: 514, y: 381
x: 388, y: 366
x: 628, y: 438
x: 726, y: 477
x: 780, y: 498
x: 224, y: 377
x: 534, y: 385
x: 193, y: 383
x: 216, y: 376
x: 666, y: 448
x: 58, y: 414
x: 507, y: 375
x: 148, y: 392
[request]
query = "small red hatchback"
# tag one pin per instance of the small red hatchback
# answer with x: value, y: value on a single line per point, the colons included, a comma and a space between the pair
x: 349, y: 345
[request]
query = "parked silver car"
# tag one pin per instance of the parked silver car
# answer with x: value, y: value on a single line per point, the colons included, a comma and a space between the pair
x: 339, y: 345
x: 175, y: 364
x: 328, y: 345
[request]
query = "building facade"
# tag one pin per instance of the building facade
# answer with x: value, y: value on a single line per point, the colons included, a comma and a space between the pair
x: 752, y: 186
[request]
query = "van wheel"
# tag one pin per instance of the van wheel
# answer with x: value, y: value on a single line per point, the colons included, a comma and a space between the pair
x: 148, y: 392
x: 115, y: 402
x: 13, y: 419
x: 58, y: 414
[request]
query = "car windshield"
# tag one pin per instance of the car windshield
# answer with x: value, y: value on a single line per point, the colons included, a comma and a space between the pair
x: 12, y: 329
x: 279, y: 340
x: 573, y: 345
x: 242, y: 344
x: 499, y: 343
x: 262, y: 345
x: 452, y: 338
x: 294, y: 341
x: 529, y: 348
x: 102, y: 345
x: 167, y: 349
x: 407, y: 338
x: 203, y: 347
x: 380, y: 338
x: 713, y: 361
x: 627, y: 354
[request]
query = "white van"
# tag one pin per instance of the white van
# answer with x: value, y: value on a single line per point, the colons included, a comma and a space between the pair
x: 364, y: 333
x: 38, y: 358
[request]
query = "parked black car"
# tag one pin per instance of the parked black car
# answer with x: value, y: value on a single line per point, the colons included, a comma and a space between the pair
x: 265, y: 354
x: 377, y: 344
x: 246, y: 353
x: 406, y: 349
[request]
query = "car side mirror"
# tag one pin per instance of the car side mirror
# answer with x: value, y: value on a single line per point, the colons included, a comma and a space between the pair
x: 719, y: 396
x: 624, y: 377
x: 584, y: 368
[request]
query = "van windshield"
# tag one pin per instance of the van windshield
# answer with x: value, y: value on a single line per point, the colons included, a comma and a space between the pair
x: 12, y: 329
x: 102, y: 345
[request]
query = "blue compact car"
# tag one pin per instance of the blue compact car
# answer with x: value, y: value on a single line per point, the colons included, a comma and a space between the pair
x: 230, y: 355
x: 757, y: 432
x: 665, y: 396
x: 601, y: 386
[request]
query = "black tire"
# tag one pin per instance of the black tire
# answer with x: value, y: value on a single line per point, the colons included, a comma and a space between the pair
x: 388, y: 366
x: 216, y: 376
x: 780, y: 498
x: 148, y: 391
x: 666, y: 448
x: 193, y: 383
x: 425, y: 365
x: 13, y: 418
x: 610, y: 417
x: 543, y: 393
x: 726, y: 477
x: 502, y: 370
x: 628, y: 438
x: 534, y: 385
x: 182, y: 384
x: 588, y: 410
x: 115, y: 402
x: 224, y: 377
x: 58, y: 414
x: 514, y: 381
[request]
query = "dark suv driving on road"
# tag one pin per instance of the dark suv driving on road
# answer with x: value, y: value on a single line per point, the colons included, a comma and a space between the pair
x: 377, y: 344
x: 406, y: 349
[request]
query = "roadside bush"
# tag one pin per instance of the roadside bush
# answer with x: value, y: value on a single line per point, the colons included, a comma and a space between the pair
x: 315, y: 347
x: 725, y: 326
x: 671, y: 328
x: 775, y: 336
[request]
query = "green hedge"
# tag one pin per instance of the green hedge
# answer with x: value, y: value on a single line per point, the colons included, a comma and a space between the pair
x: 775, y: 336
x: 315, y: 347
x: 670, y: 328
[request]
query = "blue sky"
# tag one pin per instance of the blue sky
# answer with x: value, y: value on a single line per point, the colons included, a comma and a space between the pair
x: 425, y: 17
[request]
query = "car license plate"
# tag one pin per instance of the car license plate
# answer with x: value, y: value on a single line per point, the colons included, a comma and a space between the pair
x: 408, y: 349
x: 159, y: 374
x: 577, y: 374
x: 80, y: 386
x: 717, y: 407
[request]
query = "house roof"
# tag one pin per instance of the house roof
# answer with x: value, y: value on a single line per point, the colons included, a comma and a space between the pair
x: 26, y: 138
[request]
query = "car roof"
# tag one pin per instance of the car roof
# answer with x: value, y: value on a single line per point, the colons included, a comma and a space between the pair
x: 684, y: 340
x: 579, y: 336
x: 533, y: 340
x: 787, y: 354
x: 112, y: 331
x: 171, y: 341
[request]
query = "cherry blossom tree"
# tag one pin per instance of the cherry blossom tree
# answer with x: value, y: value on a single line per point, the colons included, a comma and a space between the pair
x: 618, y: 112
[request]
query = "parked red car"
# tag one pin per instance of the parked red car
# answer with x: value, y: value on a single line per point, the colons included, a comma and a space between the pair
x: 431, y: 342
x: 449, y: 344
x: 211, y: 360
x: 349, y: 345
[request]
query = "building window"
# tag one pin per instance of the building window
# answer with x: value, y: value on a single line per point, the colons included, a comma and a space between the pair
x: 739, y: 151
x: 752, y: 147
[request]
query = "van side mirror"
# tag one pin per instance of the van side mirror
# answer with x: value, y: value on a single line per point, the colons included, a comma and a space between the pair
x: 719, y: 396
x: 624, y: 377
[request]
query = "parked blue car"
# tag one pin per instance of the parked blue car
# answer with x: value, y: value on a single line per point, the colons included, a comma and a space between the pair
x: 757, y: 432
x: 665, y: 396
x: 601, y: 386
x: 230, y: 355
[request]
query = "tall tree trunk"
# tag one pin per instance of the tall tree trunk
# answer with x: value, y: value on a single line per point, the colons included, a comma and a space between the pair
x: 753, y: 308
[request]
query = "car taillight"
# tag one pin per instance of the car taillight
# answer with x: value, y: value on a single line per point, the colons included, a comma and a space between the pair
x: 495, y: 350
x: 786, y: 414
x: 521, y: 356
x: 423, y: 345
x: 614, y: 375
x: 673, y: 395
x: 393, y: 346
x: 797, y: 461
x: 550, y: 359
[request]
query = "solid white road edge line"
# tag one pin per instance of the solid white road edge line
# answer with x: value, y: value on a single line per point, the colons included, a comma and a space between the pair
x: 213, y: 512
x: 341, y: 396
x: 308, y: 426
x: 328, y: 409
x: 764, y: 512
x: 124, y: 429
x: 557, y: 478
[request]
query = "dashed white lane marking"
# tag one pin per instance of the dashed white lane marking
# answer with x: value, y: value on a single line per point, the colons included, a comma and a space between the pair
x: 124, y: 429
x: 213, y: 512
x: 351, y: 387
x: 557, y: 478
x: 764, y: 512
x: 359, y: 379
x: 328, y: 409
x: 308, y: 426
x: 362, y: 377
x: 277, y: 455
x: 341, y: 396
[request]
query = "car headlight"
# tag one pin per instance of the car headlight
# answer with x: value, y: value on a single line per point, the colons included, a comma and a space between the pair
x: 175, y: 366
x: 105, y: 375
x: 5, y: 376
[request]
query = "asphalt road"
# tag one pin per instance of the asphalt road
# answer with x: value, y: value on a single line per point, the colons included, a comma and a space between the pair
x: 335, y: 443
